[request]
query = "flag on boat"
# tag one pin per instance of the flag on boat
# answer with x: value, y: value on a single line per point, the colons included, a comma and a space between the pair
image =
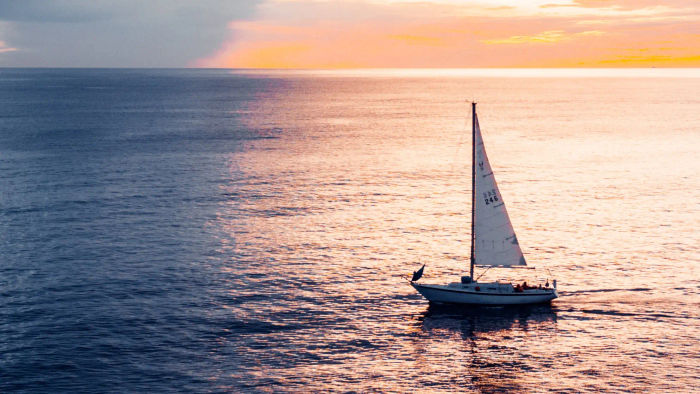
x: 417, y: 275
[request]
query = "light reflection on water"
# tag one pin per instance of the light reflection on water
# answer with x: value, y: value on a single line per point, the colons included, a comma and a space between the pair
x: 366, y: 179
x: 202, y: 230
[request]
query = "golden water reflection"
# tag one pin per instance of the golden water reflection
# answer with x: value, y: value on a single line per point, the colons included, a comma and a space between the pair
x: 481, y: 340
x: 359, y: 181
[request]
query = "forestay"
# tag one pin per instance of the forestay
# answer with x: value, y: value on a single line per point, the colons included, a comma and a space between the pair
x: 495, y: 243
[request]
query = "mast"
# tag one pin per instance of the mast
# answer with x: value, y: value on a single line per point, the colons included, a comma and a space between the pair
x: 471, y: 258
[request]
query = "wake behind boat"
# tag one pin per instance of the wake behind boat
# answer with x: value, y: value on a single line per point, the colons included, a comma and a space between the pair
x: 493, y: 244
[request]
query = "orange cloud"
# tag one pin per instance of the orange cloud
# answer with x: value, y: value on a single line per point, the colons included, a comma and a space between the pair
x: 653, y: 59
x: 625, y: 4
x: 394, y: 37
x: 550, y: 36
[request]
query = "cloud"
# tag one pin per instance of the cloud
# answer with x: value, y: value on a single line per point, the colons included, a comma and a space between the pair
x: 318, y: 34
x: 627, y: 5
x: 637, y: 60
x: 348, y: 33
x: 551, y: 36
x: 54, y: 11
x: 126, y: 33
x: 5, y: 48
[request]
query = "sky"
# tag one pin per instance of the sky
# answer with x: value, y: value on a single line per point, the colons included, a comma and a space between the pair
x: 350, y: 33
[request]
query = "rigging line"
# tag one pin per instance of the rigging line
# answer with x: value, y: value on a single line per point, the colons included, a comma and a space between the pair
x: 482, y: 274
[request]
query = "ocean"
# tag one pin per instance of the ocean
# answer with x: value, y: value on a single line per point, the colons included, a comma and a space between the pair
x: 251, y: 231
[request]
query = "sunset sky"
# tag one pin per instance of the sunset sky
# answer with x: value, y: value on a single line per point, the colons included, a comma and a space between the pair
x: 351, y: 33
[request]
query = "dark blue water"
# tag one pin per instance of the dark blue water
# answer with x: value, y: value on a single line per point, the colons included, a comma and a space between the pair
x: 203, y: 230
x: 108, y: 182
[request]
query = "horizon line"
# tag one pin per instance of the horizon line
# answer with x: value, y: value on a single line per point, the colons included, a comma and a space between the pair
x: 366, y: 68
x: 433, y: 72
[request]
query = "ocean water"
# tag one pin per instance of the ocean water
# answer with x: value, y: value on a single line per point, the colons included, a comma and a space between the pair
x: 217, y: 230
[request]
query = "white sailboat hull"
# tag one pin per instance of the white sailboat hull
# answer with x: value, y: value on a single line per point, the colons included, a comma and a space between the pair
x: 450, y: 294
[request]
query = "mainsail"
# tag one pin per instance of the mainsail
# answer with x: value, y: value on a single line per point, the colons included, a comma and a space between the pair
x: 495, y: 243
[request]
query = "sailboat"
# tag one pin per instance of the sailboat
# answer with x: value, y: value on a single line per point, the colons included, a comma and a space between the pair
x: 493, y: 244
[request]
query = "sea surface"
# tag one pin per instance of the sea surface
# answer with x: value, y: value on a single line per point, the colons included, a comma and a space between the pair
x: 251, y: 231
